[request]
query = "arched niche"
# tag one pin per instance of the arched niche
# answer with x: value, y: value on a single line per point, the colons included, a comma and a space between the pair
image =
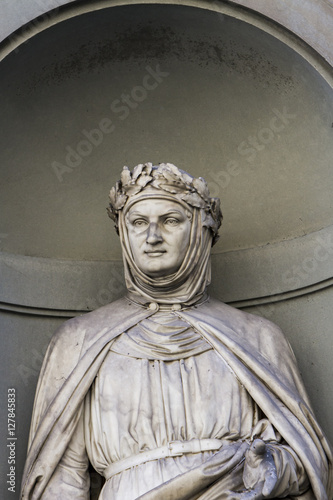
x: 219, y: 91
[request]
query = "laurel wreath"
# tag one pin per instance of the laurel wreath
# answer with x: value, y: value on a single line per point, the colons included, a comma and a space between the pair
x: 169, y: 178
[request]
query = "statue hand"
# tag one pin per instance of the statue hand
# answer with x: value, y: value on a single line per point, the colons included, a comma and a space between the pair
x: 260, y: 472
x: 259, y: 475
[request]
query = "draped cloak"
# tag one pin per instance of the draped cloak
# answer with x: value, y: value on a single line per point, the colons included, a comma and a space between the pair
x: 254, y: 349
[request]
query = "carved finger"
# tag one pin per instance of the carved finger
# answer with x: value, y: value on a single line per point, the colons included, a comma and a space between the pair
x: 270, y: 482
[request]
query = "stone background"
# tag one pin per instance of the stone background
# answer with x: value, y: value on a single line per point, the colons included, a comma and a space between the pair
x: 238, y: 92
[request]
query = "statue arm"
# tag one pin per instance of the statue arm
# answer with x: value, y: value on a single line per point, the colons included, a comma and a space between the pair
x: 71, y: 477
x: 42, y: 463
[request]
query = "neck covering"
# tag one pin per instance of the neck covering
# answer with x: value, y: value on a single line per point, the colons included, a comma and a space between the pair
x: 186, y: 286
x: 163, y: 336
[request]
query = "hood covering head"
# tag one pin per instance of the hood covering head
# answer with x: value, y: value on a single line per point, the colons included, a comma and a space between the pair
x: 188, y: 284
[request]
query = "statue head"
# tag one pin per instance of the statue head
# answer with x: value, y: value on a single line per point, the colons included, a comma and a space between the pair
x: 159, y: 234
x: 167, y: 223
x: 169, y: 182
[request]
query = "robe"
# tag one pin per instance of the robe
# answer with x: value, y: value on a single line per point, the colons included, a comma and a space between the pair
x: 253, y: 348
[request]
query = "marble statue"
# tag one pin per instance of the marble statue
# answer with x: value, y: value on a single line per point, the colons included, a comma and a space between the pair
x: 167, y: 393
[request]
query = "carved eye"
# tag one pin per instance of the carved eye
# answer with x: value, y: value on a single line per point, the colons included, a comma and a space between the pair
x: 171, y: 221
x: 139, y: 223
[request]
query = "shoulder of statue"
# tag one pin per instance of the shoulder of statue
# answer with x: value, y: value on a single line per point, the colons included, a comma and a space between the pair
x: 72, y: 333
x: 253, y: 327
x: 75, y: 336
x: 256, y: 334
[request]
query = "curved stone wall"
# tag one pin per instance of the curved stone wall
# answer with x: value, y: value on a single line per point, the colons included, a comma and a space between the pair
x: 310, y: 20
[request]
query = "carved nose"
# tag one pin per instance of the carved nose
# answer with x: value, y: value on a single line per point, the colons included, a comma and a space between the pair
x: 154, y: 234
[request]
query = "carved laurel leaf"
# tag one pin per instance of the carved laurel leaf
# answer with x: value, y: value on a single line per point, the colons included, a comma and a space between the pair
x: 180, y: 174
x: 112, y: 195
x: 120, y: 202
x: 216, y: 210
x: 117, y: 198
x: 201, y: 186
x: 169, y: 175
x: 148, y: 168
x: 156, y: 183
x: 132, y: 189
x: 143, y: 179
x: 125, y: 176
x: 174, y: 188
x: 111, y: 213
x: 137, y: 171
x: 193, y: 199
x: 186, y: 177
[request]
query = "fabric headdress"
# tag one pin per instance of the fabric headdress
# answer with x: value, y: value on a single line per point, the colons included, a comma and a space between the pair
x: 188, y: 284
